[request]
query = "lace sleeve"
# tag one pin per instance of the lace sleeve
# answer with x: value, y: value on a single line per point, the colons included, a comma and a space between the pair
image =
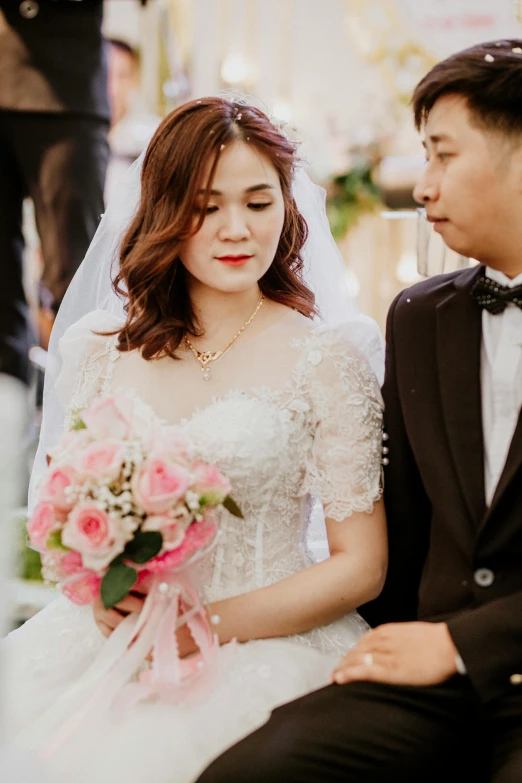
x: 344, y: 468
x: 87, y: 360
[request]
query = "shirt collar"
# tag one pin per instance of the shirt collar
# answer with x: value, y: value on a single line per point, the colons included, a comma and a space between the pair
x: 500, y: 277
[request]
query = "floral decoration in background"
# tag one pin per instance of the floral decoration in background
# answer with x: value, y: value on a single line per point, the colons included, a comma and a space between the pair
x: 353, y: 193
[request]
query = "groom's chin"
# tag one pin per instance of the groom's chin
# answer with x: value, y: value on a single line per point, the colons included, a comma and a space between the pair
x: 453, y: 239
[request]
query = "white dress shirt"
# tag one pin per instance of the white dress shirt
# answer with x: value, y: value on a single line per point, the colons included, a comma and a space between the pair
x: 501, y: 382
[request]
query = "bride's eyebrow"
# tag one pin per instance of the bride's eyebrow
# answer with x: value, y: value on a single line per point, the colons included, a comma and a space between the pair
x: 263, y: 186
x: 251, y: 189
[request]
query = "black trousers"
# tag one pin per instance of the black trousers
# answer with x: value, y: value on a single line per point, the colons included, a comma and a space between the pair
x: 373, y: 733
x: 59, y: 160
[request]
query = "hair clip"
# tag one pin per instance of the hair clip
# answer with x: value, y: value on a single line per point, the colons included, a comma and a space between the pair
x: 238, y: 117
x: 517, y: 50
x: 489, y: 58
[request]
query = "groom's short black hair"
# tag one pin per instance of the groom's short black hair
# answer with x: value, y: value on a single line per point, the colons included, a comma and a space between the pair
x: 488, y: 76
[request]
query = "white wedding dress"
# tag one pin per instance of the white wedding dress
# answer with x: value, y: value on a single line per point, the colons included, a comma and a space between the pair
x: 290, y: 414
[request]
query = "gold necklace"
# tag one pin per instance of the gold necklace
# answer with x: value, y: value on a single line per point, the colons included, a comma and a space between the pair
x: 205, y: 357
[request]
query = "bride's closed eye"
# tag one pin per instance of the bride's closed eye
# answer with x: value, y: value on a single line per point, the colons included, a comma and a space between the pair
x: 258, y: 206
x: 208, y: 211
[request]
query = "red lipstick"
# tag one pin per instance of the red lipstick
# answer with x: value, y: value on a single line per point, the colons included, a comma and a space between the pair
x: 234, y: 260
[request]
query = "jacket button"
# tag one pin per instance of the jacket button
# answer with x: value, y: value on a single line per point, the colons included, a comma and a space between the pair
x: 29, y: 9
x: 484, y: 577
x: 516, y: 679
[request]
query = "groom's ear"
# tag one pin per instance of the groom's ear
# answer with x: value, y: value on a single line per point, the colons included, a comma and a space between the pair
x: 515, y: 164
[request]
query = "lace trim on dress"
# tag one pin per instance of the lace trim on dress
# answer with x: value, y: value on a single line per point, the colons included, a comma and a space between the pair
x: 94, y: 379
x: 344, y: 466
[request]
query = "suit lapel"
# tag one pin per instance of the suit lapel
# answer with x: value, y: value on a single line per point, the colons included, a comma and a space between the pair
x: 458, y: 356
x: 513, y: 464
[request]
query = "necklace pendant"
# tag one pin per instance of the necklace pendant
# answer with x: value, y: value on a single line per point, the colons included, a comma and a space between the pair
x: 205, y: 357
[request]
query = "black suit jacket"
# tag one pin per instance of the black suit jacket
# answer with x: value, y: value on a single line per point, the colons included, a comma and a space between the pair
x: 441, y: 532
x: 56, y: 61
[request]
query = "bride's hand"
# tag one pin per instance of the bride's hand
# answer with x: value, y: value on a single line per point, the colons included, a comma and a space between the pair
x: 109, y: 619
x: 186, y: 644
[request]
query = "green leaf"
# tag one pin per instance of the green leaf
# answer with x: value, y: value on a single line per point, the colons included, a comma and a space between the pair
x: 31, y: 565
x: 232, y: 507
x: 117, y: 583
x: 78, y: 424
x: 55, y: 541
x: 144, y: 546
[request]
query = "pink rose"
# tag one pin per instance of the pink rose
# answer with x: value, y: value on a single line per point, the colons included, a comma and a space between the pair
x: 108, y: 417
x: 79, y: 584
x: 96, y: 535
x: 159, y: 485
x: 102, y: 460
x: 56, y: 485
x: 70, y: 444
x: 62, y: 564
x: 82, y: 589
x: 171, y: 528
x: 43, y: 521
x: 71, y: 563
x: 196, y: 538
x: 58, y: 564
x: 211, y: 485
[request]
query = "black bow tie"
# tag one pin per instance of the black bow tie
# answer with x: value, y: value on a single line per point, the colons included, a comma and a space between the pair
x: 494, y: 297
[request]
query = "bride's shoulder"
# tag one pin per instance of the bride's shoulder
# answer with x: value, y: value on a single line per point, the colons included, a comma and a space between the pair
x: 85, y: 349
x: 89, y: 334
x: 358, y: 338
x: 351, y: 351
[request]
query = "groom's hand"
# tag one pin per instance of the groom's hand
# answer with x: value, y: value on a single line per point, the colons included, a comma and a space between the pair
x: 401, y: 654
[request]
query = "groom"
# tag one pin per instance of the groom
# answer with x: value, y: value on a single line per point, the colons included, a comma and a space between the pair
x: 435, y: 692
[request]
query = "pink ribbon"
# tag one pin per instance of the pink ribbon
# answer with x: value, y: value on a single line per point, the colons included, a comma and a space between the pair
x: 172, y: 602
x: 170, y: 677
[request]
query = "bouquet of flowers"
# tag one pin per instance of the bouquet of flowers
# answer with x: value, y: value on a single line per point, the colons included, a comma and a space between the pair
x: 127, y: 504
x: 124, y: 497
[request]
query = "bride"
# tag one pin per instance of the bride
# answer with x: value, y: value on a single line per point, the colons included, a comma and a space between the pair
x: 219, y: 334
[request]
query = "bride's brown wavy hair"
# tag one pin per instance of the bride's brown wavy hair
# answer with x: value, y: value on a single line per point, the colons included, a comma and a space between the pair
x: 151, y: 276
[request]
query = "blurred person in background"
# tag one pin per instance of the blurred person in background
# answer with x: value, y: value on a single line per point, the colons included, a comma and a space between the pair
x: 15, y: 767
x: 132, y: 124
x: 124, y: 76
x: 13, y: 421
x: 54, y: 121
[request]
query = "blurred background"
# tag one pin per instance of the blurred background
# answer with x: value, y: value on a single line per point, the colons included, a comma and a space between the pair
x: 339, y: 71
x: 340, y: 74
